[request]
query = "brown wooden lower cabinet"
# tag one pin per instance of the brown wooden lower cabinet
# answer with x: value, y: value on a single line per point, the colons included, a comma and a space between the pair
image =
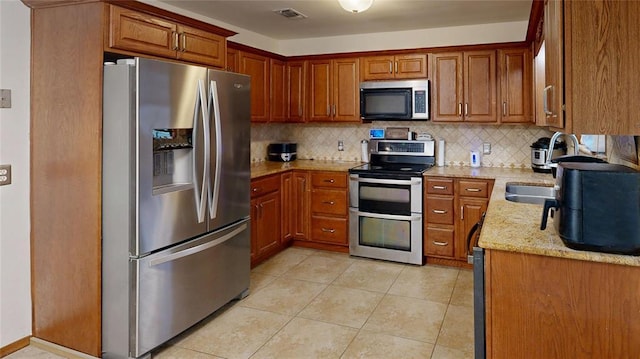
x: 452, y: 206
x: 549, y: 307
x: 266, y: 217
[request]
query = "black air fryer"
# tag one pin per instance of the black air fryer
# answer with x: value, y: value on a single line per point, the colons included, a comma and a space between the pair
x: 597, y: 207
x: 282, y: 152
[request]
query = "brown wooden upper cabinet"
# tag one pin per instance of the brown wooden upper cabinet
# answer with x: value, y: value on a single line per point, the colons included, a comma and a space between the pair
x: 258, y: 67
x: 279, y: 96
x: 591, y: 71
x: 515, y: 73
x: 411, y: 66
x: 334, y: 93
x: 138, y: 32
x: 296, y: 90
x: 233, y: 61
x: 464, y: 86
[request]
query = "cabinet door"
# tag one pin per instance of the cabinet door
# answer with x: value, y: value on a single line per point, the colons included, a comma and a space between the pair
x: 300, y: 207
x: 257, y: 67
x: 346, y: 90
x: 480, y: 86
x: 553, y: 96
x: 471, y: 210
x: 233, y: 61
x: 267, y: 220
x: 377, y: 68
x: 278, y: 91
x: 515, y: 73
x: 133, y: 31
x: 320, y: 90
x: 410, y: 66
x: 201, y: 47
x: 446, y: 81
x: 296, y: 80
x: 287, y: 205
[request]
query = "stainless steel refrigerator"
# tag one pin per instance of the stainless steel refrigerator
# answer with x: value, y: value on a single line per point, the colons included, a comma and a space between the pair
x: 175, y: 200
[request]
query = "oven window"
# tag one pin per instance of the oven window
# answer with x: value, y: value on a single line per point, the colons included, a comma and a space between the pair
x: 385, y: 233
x: 390, y: 199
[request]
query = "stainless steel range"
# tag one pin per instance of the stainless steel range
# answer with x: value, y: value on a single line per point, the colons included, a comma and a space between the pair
x: 385, y: 214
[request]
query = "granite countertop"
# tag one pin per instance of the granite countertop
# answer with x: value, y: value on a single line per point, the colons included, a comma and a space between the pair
x: 260, y: 169
x: 508, y: 226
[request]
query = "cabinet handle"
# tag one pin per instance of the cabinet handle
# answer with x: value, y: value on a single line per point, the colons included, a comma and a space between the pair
x: 256, y: 189
x: 176, y: 46
x: 441, y: 244
x: 396, y: 66
x: 504, y: 108
x: 439, y: 187
x: 439, y: 211
x: 473, y: 189
x: 329, y: 202
x: 328, y: 230
x: 183, y: 37
x: 459, y: 109
x: 331, y: 180
x: 545, y: 100
x: 334, y: 110
x: 390, y: 68
x: 466, y: 109
x: 300, y: 110
x: 328, y: 110
x: 462, y: 213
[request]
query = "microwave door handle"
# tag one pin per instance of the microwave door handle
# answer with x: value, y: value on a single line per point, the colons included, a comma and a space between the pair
x: 215, y: 113
x: 200, y: 115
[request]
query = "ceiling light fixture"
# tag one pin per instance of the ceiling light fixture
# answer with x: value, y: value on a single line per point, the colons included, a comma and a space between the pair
x: 355, y: 6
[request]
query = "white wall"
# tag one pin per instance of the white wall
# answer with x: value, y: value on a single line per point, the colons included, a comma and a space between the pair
x: 15, y: 279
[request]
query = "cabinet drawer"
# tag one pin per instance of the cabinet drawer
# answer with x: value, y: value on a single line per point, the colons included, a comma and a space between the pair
x: 439, y: 241
x: 329, y: 180
x: 440, y: 210
x: 329, y: 202
x: 439, y: 186
x: 264, y: 185
x: 473, y: 189
x: 327, y: 229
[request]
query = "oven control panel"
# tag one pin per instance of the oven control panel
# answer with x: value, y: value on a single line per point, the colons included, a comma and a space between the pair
x: 402, y: 147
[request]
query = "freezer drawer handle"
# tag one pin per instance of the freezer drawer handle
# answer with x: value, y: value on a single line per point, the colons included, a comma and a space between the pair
x: 197, y: 249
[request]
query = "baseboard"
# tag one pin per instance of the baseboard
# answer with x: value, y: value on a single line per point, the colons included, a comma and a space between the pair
x: 59, y: 350
x: 14, y: 347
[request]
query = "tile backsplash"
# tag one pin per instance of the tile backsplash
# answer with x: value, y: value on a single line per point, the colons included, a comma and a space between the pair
x: 509, y: 143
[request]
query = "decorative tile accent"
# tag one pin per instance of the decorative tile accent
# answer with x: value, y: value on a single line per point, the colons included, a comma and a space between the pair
x: 510, y: 144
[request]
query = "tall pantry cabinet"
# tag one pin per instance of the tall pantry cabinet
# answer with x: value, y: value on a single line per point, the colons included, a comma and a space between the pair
x: 69, y: 40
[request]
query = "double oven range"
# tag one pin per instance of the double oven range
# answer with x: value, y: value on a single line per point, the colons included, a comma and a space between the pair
x: 386, y: 201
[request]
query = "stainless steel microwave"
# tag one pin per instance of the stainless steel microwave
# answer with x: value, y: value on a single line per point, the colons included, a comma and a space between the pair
x: 394, y: 100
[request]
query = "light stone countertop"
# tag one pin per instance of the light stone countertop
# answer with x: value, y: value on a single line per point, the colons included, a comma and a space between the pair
x: 508, y: 226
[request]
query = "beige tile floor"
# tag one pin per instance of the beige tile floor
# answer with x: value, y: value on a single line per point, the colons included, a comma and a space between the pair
x: 307, y: 303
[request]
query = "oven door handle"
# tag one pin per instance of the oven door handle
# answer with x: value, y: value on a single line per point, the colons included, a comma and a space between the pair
x: 412, y: 181
x: 385, y: 216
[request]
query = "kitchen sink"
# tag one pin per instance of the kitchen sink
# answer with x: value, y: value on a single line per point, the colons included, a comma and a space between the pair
x: 529, y: 193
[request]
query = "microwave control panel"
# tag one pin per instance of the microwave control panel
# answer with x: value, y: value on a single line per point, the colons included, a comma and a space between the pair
x: 420, y: 101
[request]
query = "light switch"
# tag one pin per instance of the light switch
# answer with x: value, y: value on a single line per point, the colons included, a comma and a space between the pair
x: 5, y: 98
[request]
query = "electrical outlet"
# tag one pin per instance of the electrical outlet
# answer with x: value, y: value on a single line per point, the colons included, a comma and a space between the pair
x: 5, y: 175
x: 340, y: 145
x: 486, y: 148
x: 5, y: 98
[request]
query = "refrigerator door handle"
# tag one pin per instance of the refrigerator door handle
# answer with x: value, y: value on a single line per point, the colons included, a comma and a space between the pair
x: 214, y: 107
x: 197, y: 249
x: 201, y: 109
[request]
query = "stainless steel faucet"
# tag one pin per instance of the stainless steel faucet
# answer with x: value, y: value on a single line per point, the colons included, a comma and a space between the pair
x: 576, y: 149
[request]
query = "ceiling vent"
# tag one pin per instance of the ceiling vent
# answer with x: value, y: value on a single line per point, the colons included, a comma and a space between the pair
x: 290, y: 13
